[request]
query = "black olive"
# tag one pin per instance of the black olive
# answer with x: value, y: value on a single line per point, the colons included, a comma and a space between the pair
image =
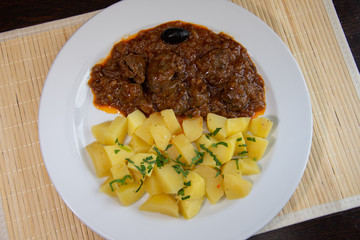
x: 175, y: 35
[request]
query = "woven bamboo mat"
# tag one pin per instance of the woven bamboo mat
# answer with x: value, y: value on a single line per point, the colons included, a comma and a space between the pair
x: 31, y: 207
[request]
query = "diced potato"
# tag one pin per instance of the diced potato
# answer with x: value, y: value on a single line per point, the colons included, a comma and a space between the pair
x: 161, y: 203
x: 171, y: 121
x: 260, y: 126
x: 99, y: 158
x: 193, y: 128
x: 118, y: 153
x: 185, y: 147
x: 232, y: 167
x: 105, y: 187
x: 240, y: 145
x: 157, y: 119
x: 189, y: 208
x: 142, y: 161
x: 194, y: 186
x: 206, y: 140
x: 248, y: 166
x: 209, y: 160
x: 169, y: 180
x: 151, y: 185
x: 135, y: 119
x: 143, y: 132
x: 137, y: 176
x: 235, y: 125
x: 120, y: 171
x: 130, y: 193
x: 116, y: 130
x: 161, y: 136
x: 138, y: 144
x: 255, y: 146
x: 216, y: 124
x: 173, y: 153
x: 99, y: 130
x: 223, y: 150
x: 235, y: 187
x: 213, y: 183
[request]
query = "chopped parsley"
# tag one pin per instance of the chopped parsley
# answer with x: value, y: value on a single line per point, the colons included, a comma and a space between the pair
x: 219, y: 143
x: 198, y: 158
x: 216, y: 131
x: 252, y: 139
x: 142, y: 182
x: 218, y: 163
x: 122, y: 146
x: 120, y: 180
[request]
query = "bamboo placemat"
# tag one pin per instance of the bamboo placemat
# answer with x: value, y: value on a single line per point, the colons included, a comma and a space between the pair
x: 32, y: 209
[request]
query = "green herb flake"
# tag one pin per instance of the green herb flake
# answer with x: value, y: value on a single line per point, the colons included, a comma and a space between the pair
x: 187, y: 184
x: 218, y: 171
x: 198, y: 158
x: 179, y: 170
x: 242, y: 153
x: 186, y: 197
x: 218, y: 163
x: 140, y: 185
x: 181, y: 192
x: 121, y: 181
x: 219, y: 143
x: 116, y: 151
x: 252, y: 139
x: 239, y: 139
x: 168, y: 146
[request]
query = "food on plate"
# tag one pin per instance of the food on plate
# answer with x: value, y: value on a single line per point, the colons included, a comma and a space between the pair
x: 176, y: 169
x: 179, y: 66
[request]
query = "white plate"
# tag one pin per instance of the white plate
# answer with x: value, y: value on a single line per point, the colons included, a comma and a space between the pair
x: 67, y: 113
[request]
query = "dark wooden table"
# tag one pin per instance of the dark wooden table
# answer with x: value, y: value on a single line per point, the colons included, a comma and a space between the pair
x: 342, y: 225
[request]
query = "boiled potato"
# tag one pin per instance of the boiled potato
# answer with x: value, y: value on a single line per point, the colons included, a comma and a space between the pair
x: 99, y: 130
x: 248, y: 166
x: 129, y: 193
x: 232, y: 167
x: 185, y: 147
x: 236, y: 187
x: 260, y: 126
x: 105, y: 187
x: 236, y: 125
x: 151, y: 185
x: 255, y: 146
x: 143, y: 132
x: 142, y: 162
x: 193, y: 128
x: 169, y: 180
x: 205, y: 140
x: 213, y: 183
x: 139, y: 145
x: 120, y: 171
x: 137, y: 176
x: 161, y: 203
x: 194, y: 186
x: 116, y: 131
x: 161, y: 136
x: 240, y: 145
x: 135, y: 119
x: 223, y: 150
x: 118, y: 153
x: 189, y: 208
x: 157, y: 119
x: 216, y: 125
x: 99, y: 159
x: 171, y: 121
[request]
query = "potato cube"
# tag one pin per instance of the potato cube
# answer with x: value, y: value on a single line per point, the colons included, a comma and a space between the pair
x: 120, y: 171
x: 135, y: 119
x: 260, y: 126
x: 118, y: 153
x: 173, y: 153
x: 232, y: 167
x: 193, y: 127
x: 138, y: 144
x: 216, y: 125
x: 169, y: 180
x: 157, y: 119
x: 130, y: 193
x: 152, y: 186
x: 189, y: 208
x: 213, y: 183
x: 255, y: 146
x: 206, y: 140
x: 240, y: 145
x: 137, y: 176
x: 161, y: 136
x: 99, y: 130
x: 194, y: 186
x: 161, y: 203
x: 105, y: 187
x: 222, y: 150
x: 99, y: 158
x: 171, y: 121
x: 235, y: 125
x: 248, y: 166
x: 142, y: 162
x: 143, y: 132
x: 185, y: 147
x: 117, y: 130
x: 235, y: 187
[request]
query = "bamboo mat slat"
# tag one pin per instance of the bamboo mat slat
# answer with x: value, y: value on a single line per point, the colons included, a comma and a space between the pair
x: 30, y: 207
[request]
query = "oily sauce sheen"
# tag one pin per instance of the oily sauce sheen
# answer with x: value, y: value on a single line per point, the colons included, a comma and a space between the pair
x: 206, y: 72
